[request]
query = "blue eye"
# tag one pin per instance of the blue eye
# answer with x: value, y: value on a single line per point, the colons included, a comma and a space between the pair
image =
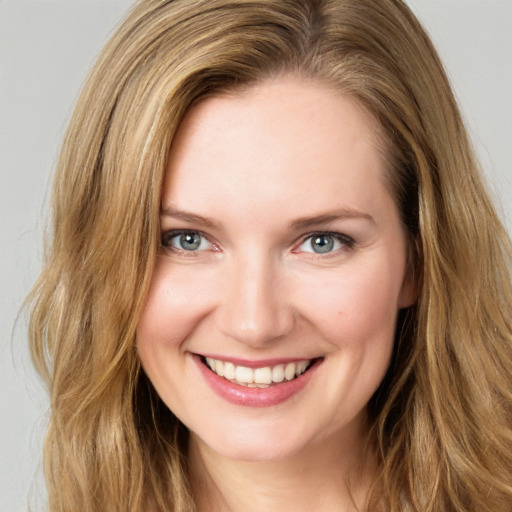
x: 189, y: 241
x: 325, y: 243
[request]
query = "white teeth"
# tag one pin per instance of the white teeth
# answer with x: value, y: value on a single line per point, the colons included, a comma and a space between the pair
x: 229, y: 371
x: 263, y: 375
x: 278, y: 373
x: 243, y: 374
x: 219, y: 368
x: 258, y: 377
x: 301, y: 368
x: 289, y: 372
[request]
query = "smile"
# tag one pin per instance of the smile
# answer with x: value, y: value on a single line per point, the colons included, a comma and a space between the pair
x: 263, y: 377
x: 256, y: 383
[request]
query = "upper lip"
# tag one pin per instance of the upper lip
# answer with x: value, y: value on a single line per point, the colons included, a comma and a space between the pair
x: 260, y: 363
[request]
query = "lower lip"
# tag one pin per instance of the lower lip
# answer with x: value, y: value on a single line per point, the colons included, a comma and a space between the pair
x: 255, y: 397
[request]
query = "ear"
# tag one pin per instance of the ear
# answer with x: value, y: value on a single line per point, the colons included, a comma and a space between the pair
x: 409, y: 292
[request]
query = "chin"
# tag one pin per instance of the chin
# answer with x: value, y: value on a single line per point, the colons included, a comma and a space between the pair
x: 246, y: 443
x: 257, y: 453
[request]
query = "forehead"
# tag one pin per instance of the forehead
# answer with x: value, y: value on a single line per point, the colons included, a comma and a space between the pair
x: 279, y: 140
x: 280, y: 103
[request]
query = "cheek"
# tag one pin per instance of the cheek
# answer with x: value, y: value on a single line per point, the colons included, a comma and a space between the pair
x: 356, y: 312
x: 173, y: 310
x: 173, y: 307
x: 156, y: 332
x: 355, y: 301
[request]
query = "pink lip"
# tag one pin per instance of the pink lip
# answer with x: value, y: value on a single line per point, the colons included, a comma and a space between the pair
x: 255, y: 397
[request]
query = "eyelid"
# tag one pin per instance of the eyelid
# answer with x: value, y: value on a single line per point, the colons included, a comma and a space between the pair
x: 173, y: 233
x: 346, y: 241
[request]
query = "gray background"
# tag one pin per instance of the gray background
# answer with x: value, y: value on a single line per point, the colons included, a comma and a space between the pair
x: 46, y: 48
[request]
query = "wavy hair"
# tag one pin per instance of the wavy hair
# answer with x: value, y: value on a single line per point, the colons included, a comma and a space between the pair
x: 442, y: 418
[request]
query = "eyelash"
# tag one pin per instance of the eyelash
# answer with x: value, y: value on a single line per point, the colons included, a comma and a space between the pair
x: 168, y: 236
x: 346, y: 242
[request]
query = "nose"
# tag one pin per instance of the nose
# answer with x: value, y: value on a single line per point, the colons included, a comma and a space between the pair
x: 254, y: 307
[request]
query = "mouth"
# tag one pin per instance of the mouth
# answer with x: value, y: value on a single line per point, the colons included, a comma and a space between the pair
x: 259, y: 377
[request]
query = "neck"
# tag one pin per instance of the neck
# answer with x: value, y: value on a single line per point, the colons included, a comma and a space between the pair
x: 331, y: 475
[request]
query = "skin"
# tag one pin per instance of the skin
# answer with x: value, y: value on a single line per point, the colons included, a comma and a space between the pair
x: 256, y: 164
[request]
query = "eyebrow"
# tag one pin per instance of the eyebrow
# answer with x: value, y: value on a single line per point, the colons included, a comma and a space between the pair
x: 191, y: 218
x: 298, y: 224
x: 328, y: 217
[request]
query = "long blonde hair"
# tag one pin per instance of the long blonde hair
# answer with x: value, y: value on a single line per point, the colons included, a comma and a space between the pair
x: 442, y: 418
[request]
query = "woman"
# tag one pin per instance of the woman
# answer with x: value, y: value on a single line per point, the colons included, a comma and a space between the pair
x: 276, y: 281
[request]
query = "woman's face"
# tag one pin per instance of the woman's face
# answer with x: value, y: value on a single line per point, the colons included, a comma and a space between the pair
x: 282, y: 268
